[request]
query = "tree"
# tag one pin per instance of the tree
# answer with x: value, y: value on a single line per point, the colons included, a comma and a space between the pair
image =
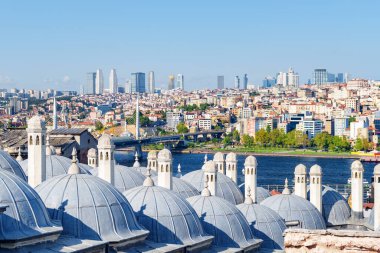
x: 227, y: 140
x: 247, y: 140
x: 322, y: 140
x: 144, y: 121
x: 98, y: 126
x: 236, y: 136
x: 261, y: 136
x: 182, y: 128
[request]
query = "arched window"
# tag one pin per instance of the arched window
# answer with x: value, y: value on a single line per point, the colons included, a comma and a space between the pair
x: 317, y: 180
x: 356, y: 175
x: 313, y: 180
x: 298, y: 179
x: 101, y: 156
x: 162, y: 168
x: 207, y: 178
x: 30, y: 140
x: 212, y: 178
x: 378, y: 179
x: 167, y: 167
x: 107, y: 156
x: 38, y: 140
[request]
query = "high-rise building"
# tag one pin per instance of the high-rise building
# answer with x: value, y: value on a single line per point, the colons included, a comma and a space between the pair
x: 237, y: 82
x: 245, y: 82
x: 347, y: 77
x: 128, y: 88
x: 293, y: 79
x: 151, y: 82
x: 320, y: 76
x: 220, y: 81
x: 99, y: 82
x: 339, y: 78
x: 180, y: 82
x: 331, y: 78
x: 137, y: 83
x: 89, y: 87
x: 171, y: 82
x: 269, y: 82
x: 113, y: 81
x: 282, y: 79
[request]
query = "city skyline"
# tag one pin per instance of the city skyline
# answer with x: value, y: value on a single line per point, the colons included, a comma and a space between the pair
x: 29, y: 40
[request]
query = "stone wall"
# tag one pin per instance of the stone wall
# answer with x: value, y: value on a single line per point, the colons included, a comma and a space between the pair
x: 303, y: 240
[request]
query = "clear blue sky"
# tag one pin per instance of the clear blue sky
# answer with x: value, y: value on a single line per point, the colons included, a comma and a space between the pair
x: 54, y: 43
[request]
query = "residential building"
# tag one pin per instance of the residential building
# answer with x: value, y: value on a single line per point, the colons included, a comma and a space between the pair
x: 173, y: 118
x: 340, y: 126
x: 204, y: 124
x: 310, y: 127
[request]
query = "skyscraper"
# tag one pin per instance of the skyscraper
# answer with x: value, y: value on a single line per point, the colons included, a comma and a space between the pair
x: 151, y: 82
x: 293, y: 79
x: 171, y: 82
x: 237, y: 82
x: 137, y: 83
x: 99, y: 84
x: 180, y: 82
x: 340, y: 78
x: 320, y: 76
x: 269, y: 82
x: 89, y: 87
x: 113, y: 81
x: 245, y: 82
x: 282, y: 79
x: 220, y: 81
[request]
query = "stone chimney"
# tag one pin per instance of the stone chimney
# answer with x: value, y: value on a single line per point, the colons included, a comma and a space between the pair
x: 210, y: 174
x: 250, y: 178
x: 357, y: 172
x: 152, y: 160
x: 219, y: 162
x: 300, y: 181
x: 165, y: 170
x: 231, y: 166
x: 376, y: 206
x: 316, y: 186
x: 106, y: 160
x: 92, y: 158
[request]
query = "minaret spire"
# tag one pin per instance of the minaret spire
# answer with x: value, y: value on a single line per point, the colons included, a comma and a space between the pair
x: 137, y: 117
x: 55, y: 120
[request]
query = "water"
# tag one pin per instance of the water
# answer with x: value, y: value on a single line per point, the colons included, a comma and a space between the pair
x: 272, y: 170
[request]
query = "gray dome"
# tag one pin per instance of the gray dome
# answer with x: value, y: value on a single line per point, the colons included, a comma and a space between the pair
x: 335, y: 208
x: 125, y: 178
x: 224, y: 221
x: 26, y: 215
x: 143, y: 171
x: 226, y: 188
x: 182, y: 187
x: 266, y: 225
x: 57, y: 165
x: 261, y: 193
x: 168, y: 217
x: 90, y: 208
x: 11, y: 165
x: 295, y: 208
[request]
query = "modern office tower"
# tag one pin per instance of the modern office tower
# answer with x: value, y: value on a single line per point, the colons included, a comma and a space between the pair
x: 269, y: 82
x: 282, y: 79
x: 171, y: 82
x: 330, y: 78
x: 339, y: 78
x: 245, y: 82
x: 89, y: 87
x: 151, y: 82
x: 99, y: 82
x: 180, y: 82
x: 320, y: 76
x: 237, y: 82
x: 220, y: 81
x: 137, y: 83
x: 347, y: 77
x: 113, y: 81
x: 128, y: 88
x: 293, y: 79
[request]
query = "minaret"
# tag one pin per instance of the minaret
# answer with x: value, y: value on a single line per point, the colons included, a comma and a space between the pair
x: 210, y: 174
x: 55, y: 119
x: 376, y: 207
x: 152, y: 160
x: 165, y: 170
x: 137, y: 135
x: 19, y: 157
x: 316, y: 186
x: 179, y: 172
x: 219, y: 161
x: 231, y: 166
x: 300, y: 187
x: 92, y: 158
x: 250, y: 178
x: 106, y: 158
x: 357, y: 172
x: 36, y: 151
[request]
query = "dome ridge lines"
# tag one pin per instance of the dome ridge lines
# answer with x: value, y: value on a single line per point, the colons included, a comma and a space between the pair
x: 77, y: 209
x: 11, y: 194
x: 170, y: 211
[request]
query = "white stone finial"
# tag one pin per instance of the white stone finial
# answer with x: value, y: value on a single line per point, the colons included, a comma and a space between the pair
x: 179, y: 172
x: 286, y: 190
x: 136, y: 164
x: 205, y: 158
x: 206, y: 192
x: 148, y: 180
x: 19, y: 157
x: 248, y: 199
x: 74, y: 168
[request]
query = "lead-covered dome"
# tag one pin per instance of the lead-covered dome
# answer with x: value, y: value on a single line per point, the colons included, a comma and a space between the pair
x: 231, y: 157
x: 294, y: 208
x: 57, y: 165
x: 25, y: 217
x: 335, y: 209
x: 265, y: 224
x: 143, y: 170
x: 90, y: 208
x: 182, y: 187
x: 261, y: 193
x: 224, y: 221
x: 218, y: 157
x: 225, y: 187
x: 168, y: 216
x: 11, y: 165
x: 125, y: 178
x: 164, y: 155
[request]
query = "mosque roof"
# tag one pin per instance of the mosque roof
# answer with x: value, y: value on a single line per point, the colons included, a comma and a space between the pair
x: 9, y: 164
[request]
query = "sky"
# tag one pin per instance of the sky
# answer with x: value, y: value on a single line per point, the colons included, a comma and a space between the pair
x: 53, y: 44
